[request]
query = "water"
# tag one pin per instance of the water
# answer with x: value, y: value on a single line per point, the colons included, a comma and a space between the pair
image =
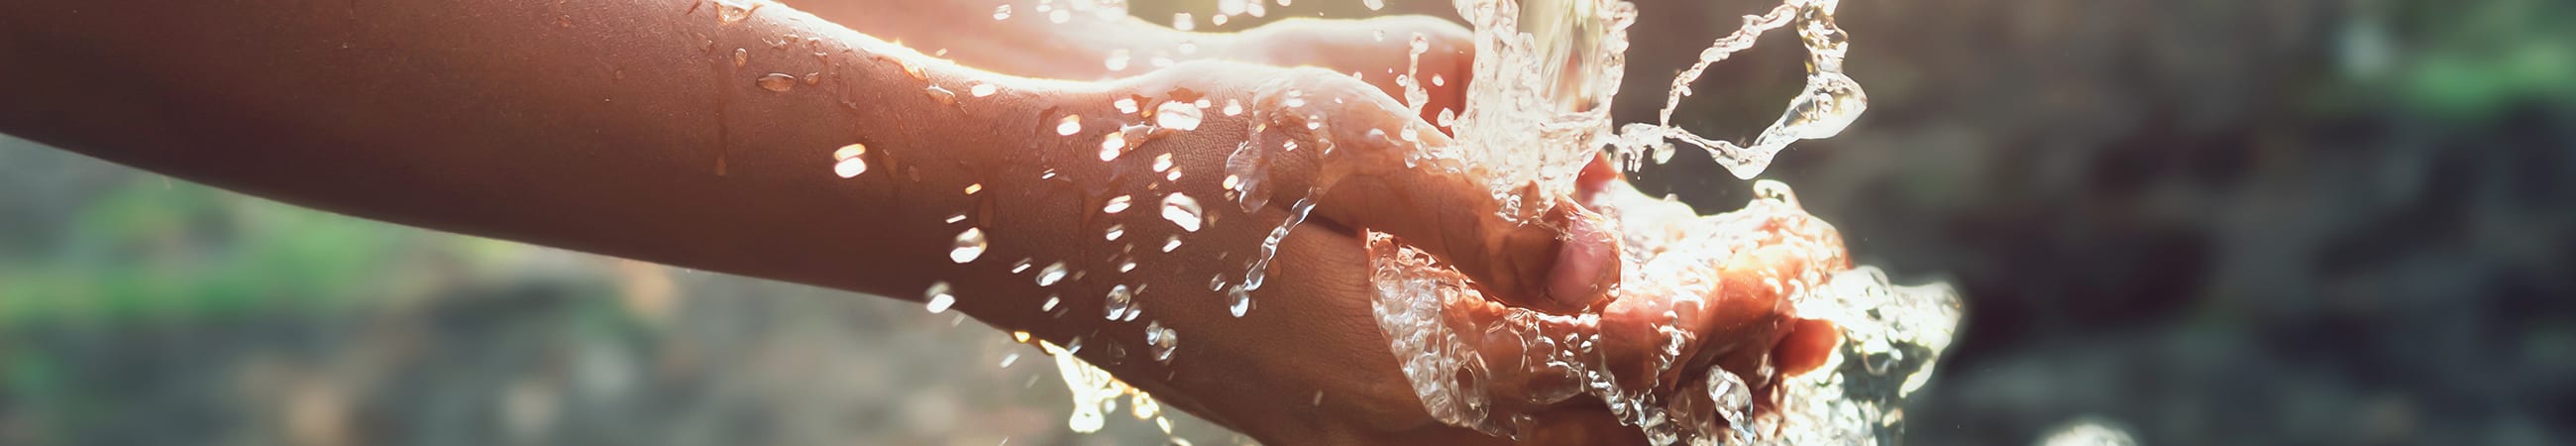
x: 937, y: 299
x: 849, y: 161
x: 970, y: 245
x: 1068, y: 125
x: 776, y: 82
x: 1119, y: 302
x: 1537, y: 113
x: 1117, y: 204
x: 1182, y: 211
x: 1052, y: 273
x: 1177, y: 115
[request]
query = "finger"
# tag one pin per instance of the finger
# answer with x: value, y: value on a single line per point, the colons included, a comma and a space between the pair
x: 1378, y: 50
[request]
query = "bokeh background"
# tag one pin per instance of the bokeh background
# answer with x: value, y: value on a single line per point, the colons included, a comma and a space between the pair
x: 2287, y: 222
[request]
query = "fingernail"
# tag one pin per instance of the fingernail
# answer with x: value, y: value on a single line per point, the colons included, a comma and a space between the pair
x: 1587, y: 264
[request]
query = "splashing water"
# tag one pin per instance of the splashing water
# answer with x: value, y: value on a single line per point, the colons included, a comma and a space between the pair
x: 1537, y: 113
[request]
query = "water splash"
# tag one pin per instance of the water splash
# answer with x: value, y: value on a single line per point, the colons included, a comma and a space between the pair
x: 1537, y: 114
x: 970, y: 245
x: 1891, y: 335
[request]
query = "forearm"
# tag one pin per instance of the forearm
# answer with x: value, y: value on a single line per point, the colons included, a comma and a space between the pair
x: 1027, y: 41
x: 617, y: 127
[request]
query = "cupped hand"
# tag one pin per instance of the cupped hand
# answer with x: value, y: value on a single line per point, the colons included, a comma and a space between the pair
x: 1157, y: 209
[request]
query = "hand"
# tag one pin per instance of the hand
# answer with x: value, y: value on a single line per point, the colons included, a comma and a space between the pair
x: 1309, y: 330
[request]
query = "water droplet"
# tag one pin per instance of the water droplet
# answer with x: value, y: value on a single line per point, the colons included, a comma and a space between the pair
x: 1113, y: 145
x: 1162, y: 162
x: 1052, y: 273
x: 1021, y: 267
x: 1233, y: 107
x: 741, y: 57
x: 1114, y: 232
x: 1008, y: 358
x: 1163, y: 340
x: 939, y: 298
x: 970, y: 244
x: 1125, y: 105
x: 1069, y: 125
x: 1120, y: 299
x: 1116, y: 61
x: 850, y: 160
x: 1050, y: 304
x: 1181, y: 21
x: 971, y: 189
x: 953, y: 219
x: 776, y: 82
x: 1436, y: 81
x: 982, y: 90
x: 1177, y: 115
x: 941, y: 95
x: 1182, y: 210
x: 1116, y: 204
x: 729, y: 12
x: 1172, y: 243
x: 1002, y: 12
x: 1372, y: 5
x: 1238, y: 300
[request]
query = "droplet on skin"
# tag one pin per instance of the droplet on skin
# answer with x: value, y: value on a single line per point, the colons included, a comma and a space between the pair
x: 971, y: 189
x: 1163, y: 340
x: 1021, y: 267
x: 1181, y: 21
x: 776, y: 82
x: 970, y: 244
x: 1050, y: 304
x: 1233, y: 107
x: 729, y: 12
x: 953, y: 219
x: 1125, y: 105
x: 982, y: 90
x: 1372, y: 5
x: 1052, y: 273
x: 1238, y: 300
x: 1162, y: 162
x: 741, y: 57
x: 1177, y: 115
x: 938, y: 298
x: 1113, y: 145
x: 1114, y: 232
x: 1116, y: 204
x: 1069, y: 125
x: 941, y: 95
x: 1182, y: 211
x: 849, y: 161
x: 1002, y: 12
x: 1008, y: 358
x: 1117, y: 60
x: 1118, y: 301
x: 1172, y: 243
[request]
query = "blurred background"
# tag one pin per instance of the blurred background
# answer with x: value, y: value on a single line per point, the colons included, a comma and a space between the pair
x: 2288, y: 222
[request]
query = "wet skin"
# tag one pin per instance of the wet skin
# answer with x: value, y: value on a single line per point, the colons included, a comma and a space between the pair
x: 624, y: 128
